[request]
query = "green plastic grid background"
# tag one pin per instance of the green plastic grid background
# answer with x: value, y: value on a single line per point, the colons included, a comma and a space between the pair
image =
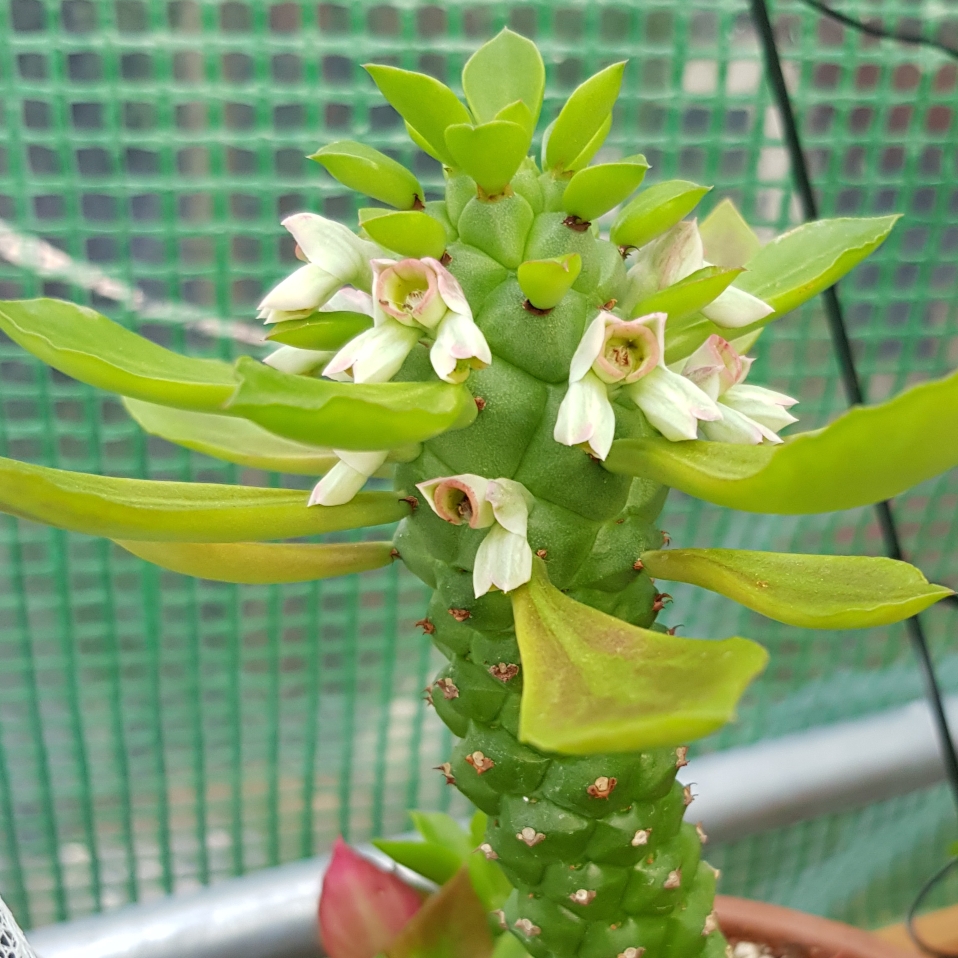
x: 158, y: 732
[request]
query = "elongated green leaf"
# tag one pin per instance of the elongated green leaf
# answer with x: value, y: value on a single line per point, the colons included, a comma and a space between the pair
x: 656, y: 210
x: 408, y: 233
x: 545, y: 281
x: 87, y: 346
x: 868, y: 454
x: 591, y: 148
x: 596, y: 189
x: 428, y: 859
x: 427, y: 105
x: 505, y: 69
x: 179, y: 511
x: 688, y: 295
x: 815, y: 592
x: 368, y: 171
x: 490, y: 153
x: 726, y: 238
x: 347, y: 415
x: 451, y: 924
x: 444, y: 830
x: 231, y: 439
x: 593, y: 683
x: 804, y: 261
x: 258, y: 563
x: 582, y: 116
x: 321, y: 330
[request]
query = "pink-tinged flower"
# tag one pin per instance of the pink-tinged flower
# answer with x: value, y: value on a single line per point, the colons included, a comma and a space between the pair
x: 414, y: 298
x: 750, y: 414
x: 614, y: 354
x: 677, y: 254
x: 504, y: 557
x: 299, y: 362
x: 346, y: 478
x: 335, y: 257
x: 361, y: 908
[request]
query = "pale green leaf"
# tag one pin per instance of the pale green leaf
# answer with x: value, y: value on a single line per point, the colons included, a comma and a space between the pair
x: 688, y: 295
x: 814, y: 592
x: 322, y: 330
x: 597, y: 189
x: 488, y: 881
x: 451, y: 924
x: 591, y: 148
x: 490, y: 153
x: 519, y: 114
x: 582, y: 116
x: 424, y: 144
x: 427, y: 105
x: 505, y: 69
x: 368, y: 171
x: 432, y: 861
x: 179, y: 511
x: 408, y: 233
x: 231, y: 439
x: 545, y: 281
x: 593, y: 683
x: 258, y: 563
x: 726, y: 238
x: 868, y: 454
x: 348, y: 415
x: 444, y: 830
x: 656, y: 210
x: 89, y: 347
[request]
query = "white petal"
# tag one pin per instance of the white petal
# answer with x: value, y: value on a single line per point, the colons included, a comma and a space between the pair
x: 338, y: 486
x: 737, y: 428
x: 589, y: 348
x: 290, y: 359
x: 503, y: 559
x: 672, y: 403
x: 734, y: 308
x: 309, y: 287
x: 449, y: 288
x: 765, y: 406
x: 364, y: 462
x: 348, y: 354
x: 586, y: 415
x: 334, y: 247
x: 458, y: 338
x: 376, y: 354
x: 351, y: 300
x: 677, y: 254
x: 511, y: 502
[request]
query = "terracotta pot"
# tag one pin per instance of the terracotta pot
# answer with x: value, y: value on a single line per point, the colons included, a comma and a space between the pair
x: 796, y: 935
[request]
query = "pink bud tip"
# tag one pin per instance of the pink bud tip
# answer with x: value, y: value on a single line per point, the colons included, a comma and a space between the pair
x: 361, y: 908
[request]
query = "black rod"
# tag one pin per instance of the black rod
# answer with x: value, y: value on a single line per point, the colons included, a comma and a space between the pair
x: 850, y: 378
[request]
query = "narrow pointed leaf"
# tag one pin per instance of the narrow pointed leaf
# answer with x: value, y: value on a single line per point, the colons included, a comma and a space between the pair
x: 179, y: 511
x: 597, y: 189
x: 89, y: 347
x: 490, y: 153
x: 231, y: 439
x: 321, y: 330
x: 428, y: 859
x: 519, y: 114
x: 451, y: 924
x: 347, y: 415
x: 545, y: 281
x: 656, y: 210
x: 424, y: 144
x: 423, y: 102
x: 593, y: 683
x: 690, y: 294
x: 408, y: 233
x: 802, y: 262
x: 259, y: 563
x: 505, y: 69
x: 868, y: 454
x: 726, y: 238
x: 368, y: 171
x: 443, y: 830
x: 582, y: 116
x: 591, y: 148
x: 815, y: 592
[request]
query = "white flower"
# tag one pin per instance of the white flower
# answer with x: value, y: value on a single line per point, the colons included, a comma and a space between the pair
x: 676, y: 255
x: 614, y: 354
x: 346, y: 478
x: 504, y: 557
x: 414, y: 298
x: 335, y: 257
x: 749, y: 413
x: 299, y: 362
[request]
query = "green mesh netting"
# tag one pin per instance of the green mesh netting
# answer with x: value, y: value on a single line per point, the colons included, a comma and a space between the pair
x: 158, y: 732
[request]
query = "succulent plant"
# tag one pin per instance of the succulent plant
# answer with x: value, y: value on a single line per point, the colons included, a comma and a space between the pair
x: 535, y: 388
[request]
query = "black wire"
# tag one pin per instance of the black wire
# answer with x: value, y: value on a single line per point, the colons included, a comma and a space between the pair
x: 880, y: 32
x: 910, y: 921
x: 852, y: 384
